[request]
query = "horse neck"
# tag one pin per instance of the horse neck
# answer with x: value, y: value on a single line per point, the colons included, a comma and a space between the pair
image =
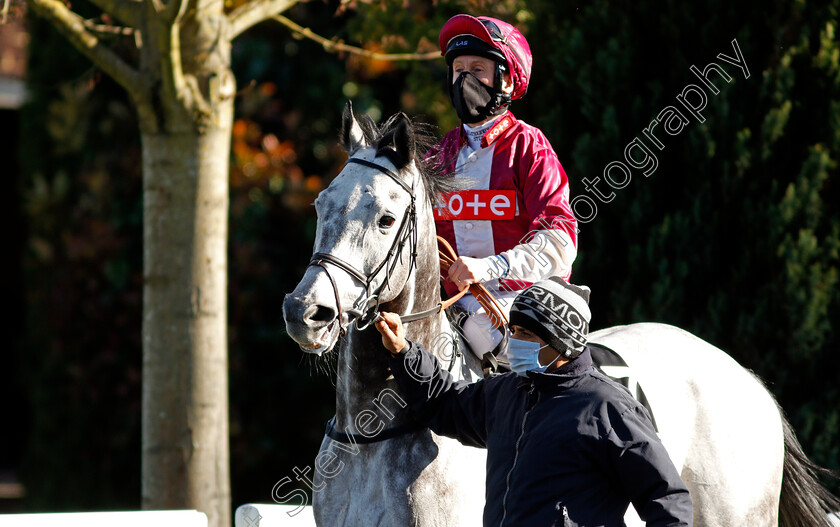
x: 363, y: 374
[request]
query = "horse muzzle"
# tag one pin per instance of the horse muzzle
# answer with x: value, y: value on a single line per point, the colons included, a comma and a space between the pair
x: 315, y: 327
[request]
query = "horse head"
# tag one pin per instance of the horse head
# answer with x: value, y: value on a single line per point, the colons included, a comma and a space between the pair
x: 366, y: 235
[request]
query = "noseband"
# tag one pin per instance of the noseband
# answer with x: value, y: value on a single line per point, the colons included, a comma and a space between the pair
x: 366, y: 308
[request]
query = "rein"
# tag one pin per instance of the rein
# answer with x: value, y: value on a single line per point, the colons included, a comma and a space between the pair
x: 368, y: 309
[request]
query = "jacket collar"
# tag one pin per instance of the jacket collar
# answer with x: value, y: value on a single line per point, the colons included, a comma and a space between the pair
x: 503, y: 124
x: 564, y: 376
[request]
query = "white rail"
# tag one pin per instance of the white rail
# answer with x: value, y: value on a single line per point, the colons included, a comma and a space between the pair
x: 271, y: 515
x: 189, y: 518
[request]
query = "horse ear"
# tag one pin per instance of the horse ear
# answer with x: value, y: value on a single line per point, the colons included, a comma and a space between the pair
x: 352, y: 136
x: 399, y: 144
x: 404, y: 138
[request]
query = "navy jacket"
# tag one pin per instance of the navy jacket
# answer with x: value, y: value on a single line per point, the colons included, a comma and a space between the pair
x: 567, y: 448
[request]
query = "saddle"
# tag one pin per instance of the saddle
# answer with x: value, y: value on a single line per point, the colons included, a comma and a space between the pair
x: 490, y: 363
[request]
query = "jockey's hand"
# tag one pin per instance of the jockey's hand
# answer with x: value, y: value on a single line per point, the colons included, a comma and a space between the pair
x: 393, y: 332
x: 467, y: 270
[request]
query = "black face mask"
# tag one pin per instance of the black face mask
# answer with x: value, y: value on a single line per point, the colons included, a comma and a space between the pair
x: 473, y: 100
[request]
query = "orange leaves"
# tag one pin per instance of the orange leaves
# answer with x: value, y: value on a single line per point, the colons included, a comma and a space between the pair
x: 264, y: 165
x: 314, y: 183
x: 367, y: 67
x: 259, y: 157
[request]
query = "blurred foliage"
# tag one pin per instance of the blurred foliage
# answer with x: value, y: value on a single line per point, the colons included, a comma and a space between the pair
x: 80, y: 359
x: 735, y: 237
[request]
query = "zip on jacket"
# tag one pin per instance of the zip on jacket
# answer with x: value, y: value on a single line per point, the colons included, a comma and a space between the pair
x: 516, y: 451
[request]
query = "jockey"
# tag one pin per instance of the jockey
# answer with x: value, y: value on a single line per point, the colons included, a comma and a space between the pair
x: 513, y: 226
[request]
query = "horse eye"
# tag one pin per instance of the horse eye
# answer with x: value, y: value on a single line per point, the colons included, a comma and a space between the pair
x: 386, y: 221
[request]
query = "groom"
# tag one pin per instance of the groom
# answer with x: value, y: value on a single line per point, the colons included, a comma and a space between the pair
x: 565, y: 444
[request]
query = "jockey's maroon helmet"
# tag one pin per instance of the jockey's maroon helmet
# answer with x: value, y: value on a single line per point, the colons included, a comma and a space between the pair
x: 501, y: 40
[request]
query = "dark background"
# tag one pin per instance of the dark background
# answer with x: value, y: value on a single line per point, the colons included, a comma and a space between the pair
x: 735, y: 237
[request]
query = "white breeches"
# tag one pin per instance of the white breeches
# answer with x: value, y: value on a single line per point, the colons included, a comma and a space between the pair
x: 477, y: 328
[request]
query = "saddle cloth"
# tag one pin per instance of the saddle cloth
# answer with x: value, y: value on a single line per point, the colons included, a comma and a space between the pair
x: 613, y: 366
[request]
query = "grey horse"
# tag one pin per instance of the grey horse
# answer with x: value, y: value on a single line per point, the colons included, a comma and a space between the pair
x: 375, y: 250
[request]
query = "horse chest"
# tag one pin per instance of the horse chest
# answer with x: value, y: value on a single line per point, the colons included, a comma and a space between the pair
x: 374, y: 481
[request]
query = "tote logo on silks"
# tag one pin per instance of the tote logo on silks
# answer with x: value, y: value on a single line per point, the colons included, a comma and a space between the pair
x: 477, y: 205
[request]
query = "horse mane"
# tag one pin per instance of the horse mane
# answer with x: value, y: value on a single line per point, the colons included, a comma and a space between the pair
x: 436, y: 170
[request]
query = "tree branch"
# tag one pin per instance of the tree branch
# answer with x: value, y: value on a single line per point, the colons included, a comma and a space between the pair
x: 155, y: 5
x: 104, y: 29
x: 73, y: 27
x: 254, y: 12
x: 169, y: 42
x: 172, y: 71
x: 128, y: 12
x: 5, y: 12
x: 333, y: 46
x: 174, y: 11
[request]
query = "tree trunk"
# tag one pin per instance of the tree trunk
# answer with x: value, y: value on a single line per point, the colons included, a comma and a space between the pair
x: 185, y: 386
x: 183, y: 90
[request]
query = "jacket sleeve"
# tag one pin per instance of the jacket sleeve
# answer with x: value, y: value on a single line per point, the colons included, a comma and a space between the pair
x: 545, y: 193
x: 550, y: 252
x: 449, y: 408
x: 646, y: 472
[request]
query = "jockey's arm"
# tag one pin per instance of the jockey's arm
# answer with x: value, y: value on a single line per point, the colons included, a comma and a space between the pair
x: 550, y: 252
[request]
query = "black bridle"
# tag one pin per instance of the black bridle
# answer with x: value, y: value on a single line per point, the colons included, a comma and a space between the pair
x: 366, y: 308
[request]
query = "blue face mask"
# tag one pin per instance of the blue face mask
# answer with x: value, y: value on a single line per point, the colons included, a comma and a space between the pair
x: 524, y: 355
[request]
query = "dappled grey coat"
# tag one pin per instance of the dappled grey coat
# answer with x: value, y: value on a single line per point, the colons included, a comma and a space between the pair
x: 571, y: 447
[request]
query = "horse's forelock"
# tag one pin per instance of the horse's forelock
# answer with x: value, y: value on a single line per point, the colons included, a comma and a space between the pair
x: 435, y: 171
x: 369, y: 128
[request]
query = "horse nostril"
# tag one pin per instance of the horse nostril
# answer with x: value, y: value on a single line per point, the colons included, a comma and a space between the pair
x: 319, y: 314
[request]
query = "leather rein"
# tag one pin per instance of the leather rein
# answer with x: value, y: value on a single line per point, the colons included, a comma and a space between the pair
x: 366, y: 308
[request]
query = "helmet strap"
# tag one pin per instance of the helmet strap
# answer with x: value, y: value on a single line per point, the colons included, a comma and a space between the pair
x: 502, y: 98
